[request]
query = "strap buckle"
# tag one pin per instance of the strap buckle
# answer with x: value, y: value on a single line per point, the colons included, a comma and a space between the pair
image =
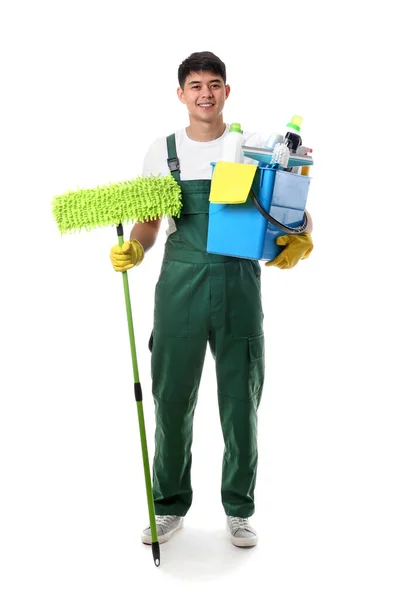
x: 173, y: 164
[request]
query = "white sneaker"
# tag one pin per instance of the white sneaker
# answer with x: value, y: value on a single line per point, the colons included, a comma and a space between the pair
x: 166, y: 525
x: 241, y: 533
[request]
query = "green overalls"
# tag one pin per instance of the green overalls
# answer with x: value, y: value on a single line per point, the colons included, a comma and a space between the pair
x: 202, y: 298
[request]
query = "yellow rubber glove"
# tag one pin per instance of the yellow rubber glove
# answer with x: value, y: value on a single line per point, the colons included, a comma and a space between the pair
x: 129, y: 255
x: 296, y: 247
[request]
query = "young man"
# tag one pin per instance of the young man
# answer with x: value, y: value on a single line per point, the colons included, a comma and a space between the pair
x: 202, y: 298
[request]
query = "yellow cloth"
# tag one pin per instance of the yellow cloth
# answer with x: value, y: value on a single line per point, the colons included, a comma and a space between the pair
x: 296, y: 247
x: 129, y: 255
x: 231, y: 182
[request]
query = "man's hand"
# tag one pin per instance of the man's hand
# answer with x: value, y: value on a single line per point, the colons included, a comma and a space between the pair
x: 129, y: 255
x: 296, y: 247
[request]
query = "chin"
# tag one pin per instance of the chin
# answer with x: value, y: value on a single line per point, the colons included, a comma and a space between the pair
x: 207, y: 117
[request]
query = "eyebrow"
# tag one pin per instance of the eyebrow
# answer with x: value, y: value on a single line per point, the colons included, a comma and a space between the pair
x: 211, y: 81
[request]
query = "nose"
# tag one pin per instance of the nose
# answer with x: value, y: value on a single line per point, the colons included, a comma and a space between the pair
x: 206, y: 92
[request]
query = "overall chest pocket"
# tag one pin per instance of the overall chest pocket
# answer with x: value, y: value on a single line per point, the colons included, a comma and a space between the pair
x: 192, y: 225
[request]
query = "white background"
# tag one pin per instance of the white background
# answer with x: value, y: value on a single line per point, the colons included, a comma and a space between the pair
x: 86, y: 86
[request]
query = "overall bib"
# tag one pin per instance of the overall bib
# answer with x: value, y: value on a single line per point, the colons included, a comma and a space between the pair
x: 204, y: 298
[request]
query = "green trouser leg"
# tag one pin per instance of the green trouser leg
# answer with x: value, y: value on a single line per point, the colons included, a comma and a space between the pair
x: 180, y: 362
x: 237, y: 344
x: 240, y: 375
x: 178, y: 352
x: 195, y: 303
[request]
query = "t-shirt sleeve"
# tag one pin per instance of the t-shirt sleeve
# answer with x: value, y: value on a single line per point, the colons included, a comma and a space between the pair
x: 155, y: 161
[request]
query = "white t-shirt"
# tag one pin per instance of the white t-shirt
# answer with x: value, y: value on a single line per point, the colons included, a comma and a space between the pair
x: 194, y: 158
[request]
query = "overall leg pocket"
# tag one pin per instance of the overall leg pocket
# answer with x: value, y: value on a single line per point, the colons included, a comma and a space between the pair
x: 173, y: 298
x: 243, y: 299
x: 256, y: 367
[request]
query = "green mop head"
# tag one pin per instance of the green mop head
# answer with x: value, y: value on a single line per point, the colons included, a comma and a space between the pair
x: 140, y: 199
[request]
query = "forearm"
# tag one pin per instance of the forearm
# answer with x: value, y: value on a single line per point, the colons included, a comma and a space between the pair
x: 309, y: 226
x: 146, y: 233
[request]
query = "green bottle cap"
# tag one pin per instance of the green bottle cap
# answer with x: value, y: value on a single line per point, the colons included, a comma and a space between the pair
x: 295, y: 123
x: 236, y: 127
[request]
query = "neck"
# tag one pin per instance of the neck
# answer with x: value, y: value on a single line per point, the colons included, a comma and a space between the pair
x: 205, y: 132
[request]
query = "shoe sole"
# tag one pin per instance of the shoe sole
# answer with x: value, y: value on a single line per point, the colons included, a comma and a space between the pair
x: 147, y: 539
x: 243, y: 542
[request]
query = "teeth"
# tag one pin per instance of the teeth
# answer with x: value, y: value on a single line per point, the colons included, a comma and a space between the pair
x: 206, y: 104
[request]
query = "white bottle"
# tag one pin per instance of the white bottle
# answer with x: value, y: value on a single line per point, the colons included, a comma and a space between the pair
x: 232, y: 144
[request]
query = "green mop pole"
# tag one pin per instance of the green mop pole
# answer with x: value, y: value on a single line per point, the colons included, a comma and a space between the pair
x: 141, y: 420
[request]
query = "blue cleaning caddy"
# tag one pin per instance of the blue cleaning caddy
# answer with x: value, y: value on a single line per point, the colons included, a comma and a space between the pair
x: 241, y: 230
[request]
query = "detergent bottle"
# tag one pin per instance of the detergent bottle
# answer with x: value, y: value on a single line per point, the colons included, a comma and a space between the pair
x: 293, y: 133
x: 232, y: 144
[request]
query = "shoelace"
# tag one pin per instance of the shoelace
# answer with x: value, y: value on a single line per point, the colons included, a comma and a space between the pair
x: 239, y: 522
x: 164, y: 520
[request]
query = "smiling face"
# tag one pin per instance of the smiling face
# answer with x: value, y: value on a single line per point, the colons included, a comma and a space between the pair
x: 204, y: 94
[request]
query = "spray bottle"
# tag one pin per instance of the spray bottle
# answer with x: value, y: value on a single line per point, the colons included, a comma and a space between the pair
x: 304, y: 151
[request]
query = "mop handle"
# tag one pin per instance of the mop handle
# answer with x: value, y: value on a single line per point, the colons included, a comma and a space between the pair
x: 140, y: 410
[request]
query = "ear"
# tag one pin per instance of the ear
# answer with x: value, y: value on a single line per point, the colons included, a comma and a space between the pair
x: 181, y: 95
x: 227, y: 88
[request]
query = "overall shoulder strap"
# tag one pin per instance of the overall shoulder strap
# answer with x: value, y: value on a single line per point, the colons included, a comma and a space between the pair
x: 172, y: 160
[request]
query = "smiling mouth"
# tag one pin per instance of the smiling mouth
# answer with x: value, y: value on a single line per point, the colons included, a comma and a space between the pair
x: 206, y: 105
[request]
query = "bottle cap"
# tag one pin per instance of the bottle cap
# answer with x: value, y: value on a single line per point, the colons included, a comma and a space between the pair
x: 295, y: 123
x: 236, y: 127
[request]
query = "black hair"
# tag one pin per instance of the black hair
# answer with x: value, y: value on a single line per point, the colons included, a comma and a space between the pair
x: 201, y: 61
